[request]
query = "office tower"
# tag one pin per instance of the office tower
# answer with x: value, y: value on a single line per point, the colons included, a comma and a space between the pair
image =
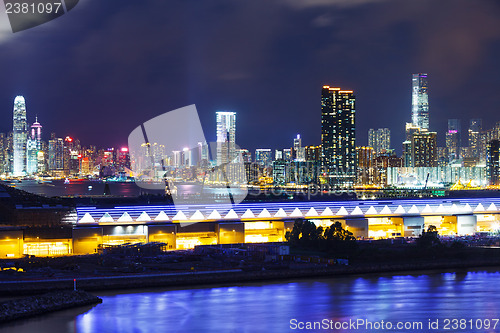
x: 278, y: 155
x: 281, y: 170
x: 36, y: 133
x: 313, y: 153
x: 187, y: 157
x: 70, y: 153
x: 424, y: 149
x: 493, y: 162
x: 298, y: 150
x: 204, y: 155
x: 9, y: 152
x: 380, y: 165
x: 475, y: 128
x: 246, y: 155
x: 226, y: 136
x: 263, y: 157
x: 407, y: 161
x: 33, y: 146
x: 379, y: 140
x: 56, y: 156
x: 287, y: 154
x: 338, y: 136
x: 442, y: 157
x: 410, y: 129
x: 420, y: 101
x: 123, y: 159
x: 19, y: 136
x: 453, y: 139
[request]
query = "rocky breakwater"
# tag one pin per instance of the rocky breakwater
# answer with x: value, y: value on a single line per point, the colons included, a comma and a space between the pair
x: 42, y: 304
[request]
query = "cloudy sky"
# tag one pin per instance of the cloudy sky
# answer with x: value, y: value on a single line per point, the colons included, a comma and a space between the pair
x: 102, y: 69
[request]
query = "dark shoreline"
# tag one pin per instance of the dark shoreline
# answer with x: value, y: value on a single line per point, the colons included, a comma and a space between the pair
x: 32, y: 306
x: 207, y: 278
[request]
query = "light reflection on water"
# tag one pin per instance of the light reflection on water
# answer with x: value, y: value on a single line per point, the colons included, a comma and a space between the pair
x: 269, y: 307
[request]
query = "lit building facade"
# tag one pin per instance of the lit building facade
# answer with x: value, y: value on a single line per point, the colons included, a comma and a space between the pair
x: 263, y: 156
x: 438, y: 176
x: 33, y: 148
x: 379, y: 140
x: 226, y: 136
x: 56, y: 156
x: 298, y: 150
x: 20, y: 135
x: 493, y: 162
x: 475, y: 128
x: 313, y: 153
x: 424, y: 149
x: 453, y: 139
x: 365, y: 156
x: 407, y: 161
x: 338, y: 136
x: 420, y: 101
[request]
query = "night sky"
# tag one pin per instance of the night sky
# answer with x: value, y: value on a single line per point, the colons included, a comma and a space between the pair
x: 102, y: 69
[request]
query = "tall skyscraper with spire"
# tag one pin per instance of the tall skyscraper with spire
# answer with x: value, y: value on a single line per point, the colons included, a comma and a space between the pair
x: 19, y: 136
x: 420, y: 101
x: 33, y: 146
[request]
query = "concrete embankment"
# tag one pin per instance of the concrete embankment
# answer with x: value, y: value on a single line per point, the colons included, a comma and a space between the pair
x: 132, y: 281
x: 42, y: 304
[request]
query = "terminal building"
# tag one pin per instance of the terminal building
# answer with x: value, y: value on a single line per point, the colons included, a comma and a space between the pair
x: 84, y: 229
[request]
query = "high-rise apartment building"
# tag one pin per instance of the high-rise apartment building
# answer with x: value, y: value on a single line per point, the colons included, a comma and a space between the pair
x: 379, y: 140
x: 424, y: 149
x: 226, y: 136
x: 313, y: 153
x: 20, y: 134
x: 338, y: 136
x: 365, y: 157
x: 475, y: 128
x: 493, y: 162
x: 420, y: 101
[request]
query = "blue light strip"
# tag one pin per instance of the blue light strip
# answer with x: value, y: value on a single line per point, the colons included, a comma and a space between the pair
x: 288, y: 207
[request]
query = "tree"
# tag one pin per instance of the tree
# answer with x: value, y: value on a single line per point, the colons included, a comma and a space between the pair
x: 429, y: 238
x: 335, y: 238
x: 338, y: 239
x: 304, y: 234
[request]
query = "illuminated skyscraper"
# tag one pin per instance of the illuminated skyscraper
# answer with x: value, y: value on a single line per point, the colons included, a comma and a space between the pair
x: 453, y: 139
x: 476, y: 125
x: 379, y: 140
x: 33, y: 146
x: 298, y: 150
x: 420, y: 101
x: 424, y: 149
x: 493, y: 162
x: 19, y: 136
x: 338, y: 136
x: 226, y: 136
x: 56, y: 156
x: 263, y: 156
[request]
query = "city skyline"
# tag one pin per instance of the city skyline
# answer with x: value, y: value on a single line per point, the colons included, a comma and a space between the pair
x: 125, y: 86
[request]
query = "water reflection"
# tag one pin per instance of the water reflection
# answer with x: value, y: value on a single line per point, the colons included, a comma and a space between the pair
x: 270, y: 307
